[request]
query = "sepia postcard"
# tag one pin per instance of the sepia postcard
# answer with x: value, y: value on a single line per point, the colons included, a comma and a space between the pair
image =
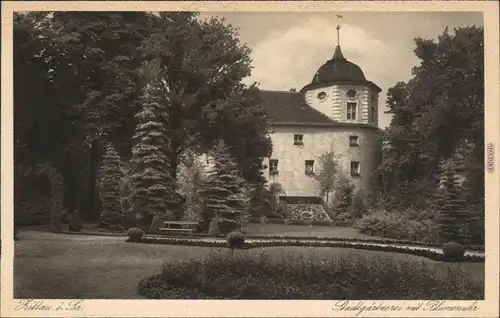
x: 250, y: 159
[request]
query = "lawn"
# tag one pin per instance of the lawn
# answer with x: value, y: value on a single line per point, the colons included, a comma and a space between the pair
x: 50, y: 265
x: 257, y: 229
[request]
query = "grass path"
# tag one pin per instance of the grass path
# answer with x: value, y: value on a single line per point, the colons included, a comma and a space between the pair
x: 50, y: 265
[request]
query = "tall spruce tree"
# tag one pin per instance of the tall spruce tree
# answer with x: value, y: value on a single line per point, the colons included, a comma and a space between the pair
x: 453, y: 216
x: 153, y: 189
x: 223, y: 195
x: 111, y: 174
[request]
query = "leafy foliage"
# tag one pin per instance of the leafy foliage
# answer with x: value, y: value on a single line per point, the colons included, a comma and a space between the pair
x: 329, y: 174
x: 86, y: 70
x: 342, y: 199
x: 398, y: 225
x: 191, y: 180
x: 437, y: 115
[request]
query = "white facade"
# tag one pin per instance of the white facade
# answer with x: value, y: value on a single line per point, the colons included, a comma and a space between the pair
x: 354, y: 138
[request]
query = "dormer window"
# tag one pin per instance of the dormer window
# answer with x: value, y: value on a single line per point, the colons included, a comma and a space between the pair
x: 297, y: 139
x: 309, y: 167
x: 351, y: 111
x: 353, y: 141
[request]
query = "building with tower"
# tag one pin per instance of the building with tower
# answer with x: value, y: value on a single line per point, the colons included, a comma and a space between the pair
x: 337, y: 110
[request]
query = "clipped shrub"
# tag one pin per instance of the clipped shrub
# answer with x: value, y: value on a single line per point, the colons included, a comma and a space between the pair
x: 235, y: 240
x: 453, y: 250
x: 135, y: 234
x: 75, y: 221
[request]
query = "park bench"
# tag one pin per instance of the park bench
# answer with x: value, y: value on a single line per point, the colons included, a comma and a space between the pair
x: 184, y: 227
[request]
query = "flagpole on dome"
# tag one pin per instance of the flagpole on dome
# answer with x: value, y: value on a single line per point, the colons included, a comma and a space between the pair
x: 339, y: 16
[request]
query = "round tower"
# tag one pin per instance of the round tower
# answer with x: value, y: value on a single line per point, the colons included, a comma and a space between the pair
x: 340, y: 91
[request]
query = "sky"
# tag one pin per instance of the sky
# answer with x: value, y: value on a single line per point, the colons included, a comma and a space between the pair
x: 289, y: 47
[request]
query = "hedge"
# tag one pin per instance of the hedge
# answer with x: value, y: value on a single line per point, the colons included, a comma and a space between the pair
x: 343, y: 244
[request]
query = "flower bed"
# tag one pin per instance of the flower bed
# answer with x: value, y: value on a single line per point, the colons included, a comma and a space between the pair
x: 436, y: 256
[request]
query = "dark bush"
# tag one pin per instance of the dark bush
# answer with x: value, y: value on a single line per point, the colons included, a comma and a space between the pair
x: 453, y: 250
x: 135, y: 234
x: 235, y: 240
x: 288, y: 276
x: 397, y: 226
x: 75, y: 221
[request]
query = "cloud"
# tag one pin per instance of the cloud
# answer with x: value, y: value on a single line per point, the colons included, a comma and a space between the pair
x: 290, y: 57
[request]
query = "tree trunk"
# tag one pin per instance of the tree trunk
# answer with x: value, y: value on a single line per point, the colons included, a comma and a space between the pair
x: 90, y: 213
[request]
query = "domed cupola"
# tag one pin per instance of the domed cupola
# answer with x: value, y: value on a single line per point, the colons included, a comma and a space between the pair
x: 338, y: 68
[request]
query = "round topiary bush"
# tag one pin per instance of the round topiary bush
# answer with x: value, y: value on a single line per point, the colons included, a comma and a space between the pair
x: 235, y: 240
x: 453, y: 250
x: 135, y: 234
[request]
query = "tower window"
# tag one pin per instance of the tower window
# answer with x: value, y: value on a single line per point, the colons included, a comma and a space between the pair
x: 372, y: 114
x: 374, y: 98
x: 297, y: 139
x: 351, y: 111
x: 273, y: 167
x: 351, y: 93
x: 355, y: 168
x: 322, y: 96
x: 309, y: 164
x: 353, y: 141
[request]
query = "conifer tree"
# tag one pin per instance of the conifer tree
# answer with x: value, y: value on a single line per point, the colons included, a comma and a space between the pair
x: 453, y: 216
x: 111, y: 175
x: 153, y: 190
x: 223, y: 197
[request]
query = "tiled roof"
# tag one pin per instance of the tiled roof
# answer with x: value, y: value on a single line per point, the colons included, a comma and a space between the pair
x: 290, y: 107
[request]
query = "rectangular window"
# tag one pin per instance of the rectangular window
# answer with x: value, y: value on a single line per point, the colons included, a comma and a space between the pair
x: 353, y: 141
x: 297, y: 139
x: 355, y: 171
x: 372, y: 114
x: 351, y: 111
x: 273, y: 167
x: 309, y: 166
